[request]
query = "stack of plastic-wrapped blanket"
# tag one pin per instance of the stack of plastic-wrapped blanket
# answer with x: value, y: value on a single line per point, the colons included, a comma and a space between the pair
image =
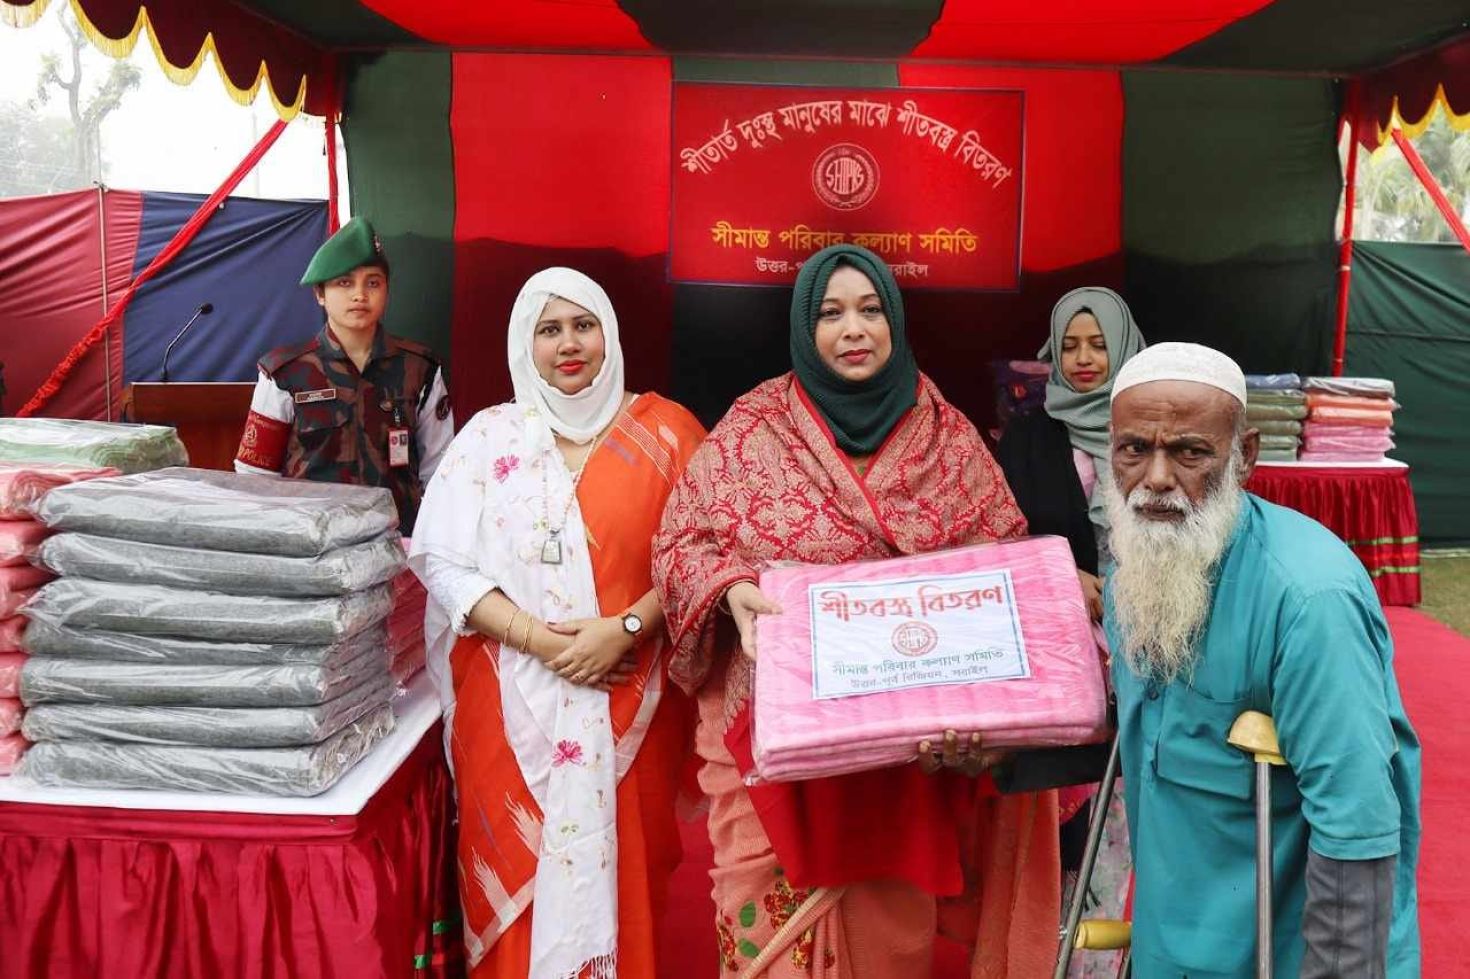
x: 126, y: 448
x: 209, y: 631
x: 406, y: 647
x: 868, y: 659
x: 22, y: 485
x: 1276, y: 406
x: 1350, y: 419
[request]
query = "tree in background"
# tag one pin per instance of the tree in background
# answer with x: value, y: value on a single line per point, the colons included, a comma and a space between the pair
x: 41, y: 153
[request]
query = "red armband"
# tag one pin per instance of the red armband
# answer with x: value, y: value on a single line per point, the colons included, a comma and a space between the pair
x: 263, y: 443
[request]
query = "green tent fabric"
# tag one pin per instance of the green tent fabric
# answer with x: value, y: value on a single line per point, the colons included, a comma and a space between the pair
x: 1409, y: 320
x: 401, y: 174
x: 1230, y: 187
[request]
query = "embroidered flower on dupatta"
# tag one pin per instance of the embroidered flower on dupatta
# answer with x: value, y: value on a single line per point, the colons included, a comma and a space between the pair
x: 504, y: 466
x: 566, y: 752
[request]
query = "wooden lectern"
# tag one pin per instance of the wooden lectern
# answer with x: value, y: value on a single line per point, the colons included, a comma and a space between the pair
x: 209, y: 417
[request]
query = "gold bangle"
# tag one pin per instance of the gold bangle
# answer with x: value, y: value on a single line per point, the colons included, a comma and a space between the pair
x: 526, y: 639
x: 505, y: 633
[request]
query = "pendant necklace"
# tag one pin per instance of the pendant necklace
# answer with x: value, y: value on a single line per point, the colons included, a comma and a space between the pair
x: 551, y: 547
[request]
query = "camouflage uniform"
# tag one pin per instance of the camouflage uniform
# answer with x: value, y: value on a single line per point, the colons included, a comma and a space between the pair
x: 315, y: 416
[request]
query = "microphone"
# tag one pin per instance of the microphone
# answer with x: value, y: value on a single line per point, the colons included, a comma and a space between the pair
x: 203, y: 309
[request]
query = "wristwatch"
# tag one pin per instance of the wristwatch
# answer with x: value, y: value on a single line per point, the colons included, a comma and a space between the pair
x: 632, y: 624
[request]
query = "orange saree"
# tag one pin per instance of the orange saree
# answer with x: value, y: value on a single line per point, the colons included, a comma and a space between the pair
x: 621, y: 496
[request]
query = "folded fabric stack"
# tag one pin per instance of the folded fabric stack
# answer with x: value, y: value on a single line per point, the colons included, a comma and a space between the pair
x: 126, y: 448
x: 1350, y: 419
x: 22, y: 486
x: 406, y: 646
x: 209, y: 632
x: 1276, y: 406
x: 868, y: 659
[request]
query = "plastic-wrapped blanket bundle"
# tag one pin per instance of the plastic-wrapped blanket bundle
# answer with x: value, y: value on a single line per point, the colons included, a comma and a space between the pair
x: 1276, y: 406
x: 344, y: 569
x: 23, y: 485
x: 250, y: 727
x: 11, y: 712
x: 47, y: 639
x: 201, y: 508
x: 12, y: 747
x: 1350, y: 420
x: 290, y: 771
x: 66, y: 681
x: 868, y: 659
x: 12, y: 634
x: 126, y: 448
x: 160, y: 611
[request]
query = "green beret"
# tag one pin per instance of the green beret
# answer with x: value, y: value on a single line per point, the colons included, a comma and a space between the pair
x: 354, y: 244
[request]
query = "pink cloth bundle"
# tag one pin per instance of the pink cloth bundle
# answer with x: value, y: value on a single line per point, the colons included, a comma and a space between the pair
x: 10, y: 664
x: 23, y: 484
x: 1311, y: 429
x: 12, y: 746
x: 10, y: 602
x: 868, y: 659
x: 18, y: 578
x: 1319, y: 456
x: 1353, y: 416
x: 406, y: 627
x: 11, y: 631
x: 19, y: 540
x: 11, y: 713
x: 1375, y: 442
x: 1315, y: 400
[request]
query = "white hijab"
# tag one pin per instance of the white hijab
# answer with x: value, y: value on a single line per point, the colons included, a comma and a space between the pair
x: 576, y: 417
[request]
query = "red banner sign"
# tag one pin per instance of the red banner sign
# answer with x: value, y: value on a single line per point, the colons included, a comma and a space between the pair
x: 765, y: 175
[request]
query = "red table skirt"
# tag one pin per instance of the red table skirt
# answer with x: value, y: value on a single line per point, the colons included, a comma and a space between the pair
x: 1372, y: 510
x: 129, y: 894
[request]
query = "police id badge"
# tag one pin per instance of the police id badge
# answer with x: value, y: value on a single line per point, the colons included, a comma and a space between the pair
x: 397, y: 447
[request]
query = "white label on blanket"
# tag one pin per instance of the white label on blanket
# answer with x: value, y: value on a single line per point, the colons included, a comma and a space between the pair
x: 872, y: 636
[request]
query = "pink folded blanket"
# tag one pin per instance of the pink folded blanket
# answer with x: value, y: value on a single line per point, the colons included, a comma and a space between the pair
x: 1349, y: 443
x: 19, y: 540
x: 21, y: 578
x: 11, y: 602
x: 23, y: 484
x: 1344, y: 428
x: 11, y: 713
x: 11, y: 631
x: 12, y: 746
x: 868, y: 659
x: 1329, y: 457
x: 10, y: 664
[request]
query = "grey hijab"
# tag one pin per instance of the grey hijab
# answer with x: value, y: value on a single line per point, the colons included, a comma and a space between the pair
x: 1086, y: 415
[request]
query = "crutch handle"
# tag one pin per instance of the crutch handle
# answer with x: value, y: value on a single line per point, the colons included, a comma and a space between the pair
x: 1255, y: 734
x: 1102, y: 934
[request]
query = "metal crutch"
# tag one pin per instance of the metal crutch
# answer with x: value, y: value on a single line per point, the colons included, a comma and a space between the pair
x: 1255, y: 734
x: 1071, y: 936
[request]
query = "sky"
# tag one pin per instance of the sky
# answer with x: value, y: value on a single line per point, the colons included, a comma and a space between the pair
x: 169, y: 137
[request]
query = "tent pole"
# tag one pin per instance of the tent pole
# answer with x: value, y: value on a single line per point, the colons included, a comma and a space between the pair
x: 334, y: 218
x: 1416, y: 163
x: 102, y: 251
x: 1345, y: 251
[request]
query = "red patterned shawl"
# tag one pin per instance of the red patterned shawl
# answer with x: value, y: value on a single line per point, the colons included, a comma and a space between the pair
x: 769, y: 484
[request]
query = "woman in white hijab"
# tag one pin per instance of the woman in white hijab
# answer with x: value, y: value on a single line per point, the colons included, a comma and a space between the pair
x: 548, y: 648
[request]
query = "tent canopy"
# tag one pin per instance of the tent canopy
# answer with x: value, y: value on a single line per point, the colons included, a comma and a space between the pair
x: 290, y: 45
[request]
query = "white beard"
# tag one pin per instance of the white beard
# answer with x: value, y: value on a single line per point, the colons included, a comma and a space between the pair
x: 1162, y: 587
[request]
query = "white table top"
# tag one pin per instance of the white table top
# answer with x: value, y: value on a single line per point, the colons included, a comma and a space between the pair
x: 415, y: 711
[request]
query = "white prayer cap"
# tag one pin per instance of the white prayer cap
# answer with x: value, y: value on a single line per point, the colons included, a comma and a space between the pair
x: 1182, y: 362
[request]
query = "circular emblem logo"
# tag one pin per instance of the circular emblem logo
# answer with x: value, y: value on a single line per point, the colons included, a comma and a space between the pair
x: 915, y: 638
x: 845, y: 177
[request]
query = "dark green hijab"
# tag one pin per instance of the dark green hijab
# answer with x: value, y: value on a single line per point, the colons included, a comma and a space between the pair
x: 860, y: 413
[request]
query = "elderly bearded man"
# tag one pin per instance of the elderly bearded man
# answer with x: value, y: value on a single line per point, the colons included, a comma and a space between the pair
x: 1222, y: 603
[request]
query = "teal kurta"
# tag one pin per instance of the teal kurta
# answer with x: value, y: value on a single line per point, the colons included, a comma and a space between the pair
x: 1297, y: 632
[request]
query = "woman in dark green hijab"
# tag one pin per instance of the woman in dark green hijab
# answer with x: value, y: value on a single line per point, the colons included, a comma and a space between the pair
x: 854, y: 455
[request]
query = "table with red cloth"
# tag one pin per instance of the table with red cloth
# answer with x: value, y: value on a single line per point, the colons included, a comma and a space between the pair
x: 1369, y: 505
x: 296, y: 893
